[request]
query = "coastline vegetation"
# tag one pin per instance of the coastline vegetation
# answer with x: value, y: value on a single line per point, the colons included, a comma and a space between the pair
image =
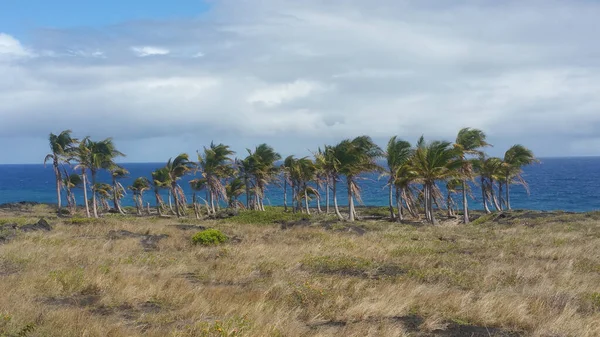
x: 414, y: 176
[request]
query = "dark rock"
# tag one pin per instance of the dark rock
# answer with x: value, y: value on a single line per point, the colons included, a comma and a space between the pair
x: 185, y: 227
x: 148, y: 241
x: 41, y: 225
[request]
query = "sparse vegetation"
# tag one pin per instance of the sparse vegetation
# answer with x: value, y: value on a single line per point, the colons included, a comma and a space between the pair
x: 520, y: 274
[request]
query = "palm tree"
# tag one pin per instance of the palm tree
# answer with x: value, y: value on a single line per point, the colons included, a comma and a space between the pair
x: 215, y: 165
x: 177, y: 168
x: 62, y: 147
x: 328, y: 164
x: 160, y: 180
x: 468, y: 142
x: 398, y: 154
x: 198, y: 185
x: 405, y: 178
x: 104, y: 193
x: 432, y: 162
x: 139, y: 186
x: 101, y: 156
x: 71, y: 181
x: 244, y: 168
x: 355, y: 157
x: 262, y: 168
x: 234, y: 189
x: 82, y: 156
x: 514, y: 159
x: 490, y: 171
x: 118, y: 172
x: 286, y: 169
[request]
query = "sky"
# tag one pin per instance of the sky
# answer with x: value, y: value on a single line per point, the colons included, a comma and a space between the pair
x: 166, y: 77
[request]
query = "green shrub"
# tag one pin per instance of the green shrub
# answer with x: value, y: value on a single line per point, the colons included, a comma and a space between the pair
x: 271, y: 215
x: 209, y: 237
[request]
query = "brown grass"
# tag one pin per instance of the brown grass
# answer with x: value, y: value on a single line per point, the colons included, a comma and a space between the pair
x: 540, y: 279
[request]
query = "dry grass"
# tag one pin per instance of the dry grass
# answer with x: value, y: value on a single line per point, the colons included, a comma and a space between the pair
x: 538, y: 279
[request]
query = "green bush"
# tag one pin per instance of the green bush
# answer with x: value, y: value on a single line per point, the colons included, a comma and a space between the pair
x: 209, y: 237
x: 271, y: 215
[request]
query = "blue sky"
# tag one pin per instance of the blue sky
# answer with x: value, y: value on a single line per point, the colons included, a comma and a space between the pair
x: 165, y: 77
x: 19, y: 17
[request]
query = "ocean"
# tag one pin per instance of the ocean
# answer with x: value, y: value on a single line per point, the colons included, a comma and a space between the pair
x: 568, y: 184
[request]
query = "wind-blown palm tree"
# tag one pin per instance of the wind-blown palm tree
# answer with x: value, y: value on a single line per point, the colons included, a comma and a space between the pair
x: 139, y: 186
x: 398, y: 153
x: 198, y: 185
x: 102, y: 193
x: 432, y: 162
x: 355, y: 157
x: 118, y: 172
x: 62, y: 147
x: 468, y: 143
x: 160, y: 180
x: 70, y: 182
x: 177, y: 168
x: 101, y: 156
x: 490, y: 172
x: 286, y: 169
x: 82, y: 156
x: 215, y: 165
x: 514, y: 159
x: 263, y: 170
x: 234, y: 189
x: 244, y: 168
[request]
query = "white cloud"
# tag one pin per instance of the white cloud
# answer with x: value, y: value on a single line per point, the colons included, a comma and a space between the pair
x: 149, y: 51
x: 299, y: 74
x: 9, y: 46
x: 276, y: 94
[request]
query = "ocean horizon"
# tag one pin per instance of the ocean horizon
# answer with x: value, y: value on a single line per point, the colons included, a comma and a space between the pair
x: 566, y: 184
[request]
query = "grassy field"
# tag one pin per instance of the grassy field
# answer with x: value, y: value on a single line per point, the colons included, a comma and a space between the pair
x: 520, y: 274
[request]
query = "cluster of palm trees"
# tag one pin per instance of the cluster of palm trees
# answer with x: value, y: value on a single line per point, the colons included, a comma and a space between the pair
x: 414, y: 176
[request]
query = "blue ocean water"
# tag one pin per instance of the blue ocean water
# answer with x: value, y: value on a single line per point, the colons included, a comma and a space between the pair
x: 569, y: 184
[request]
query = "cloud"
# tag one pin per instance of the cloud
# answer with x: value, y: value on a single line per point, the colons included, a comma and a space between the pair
x: 299, y: 74
x: 11, y: 47
x: 148, y: 51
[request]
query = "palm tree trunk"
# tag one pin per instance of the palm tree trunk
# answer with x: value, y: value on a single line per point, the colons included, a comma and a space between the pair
x: 247, y: 193
x: 399, y: 205
x: 212, y: 200
x: 319, y: 204
x: 195, y: 206
x: 350, y: 200
x: 500, y: 196
x: 493, y: 197
x: 430, y: 195
x: 58, y: 185
x: 392, y: 215
x: 335, y: 204
x: 484, y: 196
x: 94, y: 204
x: 306, y: 199
x: 327, y: 196
x: 85, y: 197
x: 170, y: 200
x: 507, y: 196
x: 174, y: 193
x: 449, y: 204
x: 465, y: 203
x: 158, y: 202
x: 284, y: 195
x: 426, y: 202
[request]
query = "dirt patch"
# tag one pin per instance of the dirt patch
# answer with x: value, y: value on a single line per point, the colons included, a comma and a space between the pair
x: 457, y: 330
x: 79, y: 300
x: 412, y: 324
x: 185, y: 227
x: 148, y: 241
